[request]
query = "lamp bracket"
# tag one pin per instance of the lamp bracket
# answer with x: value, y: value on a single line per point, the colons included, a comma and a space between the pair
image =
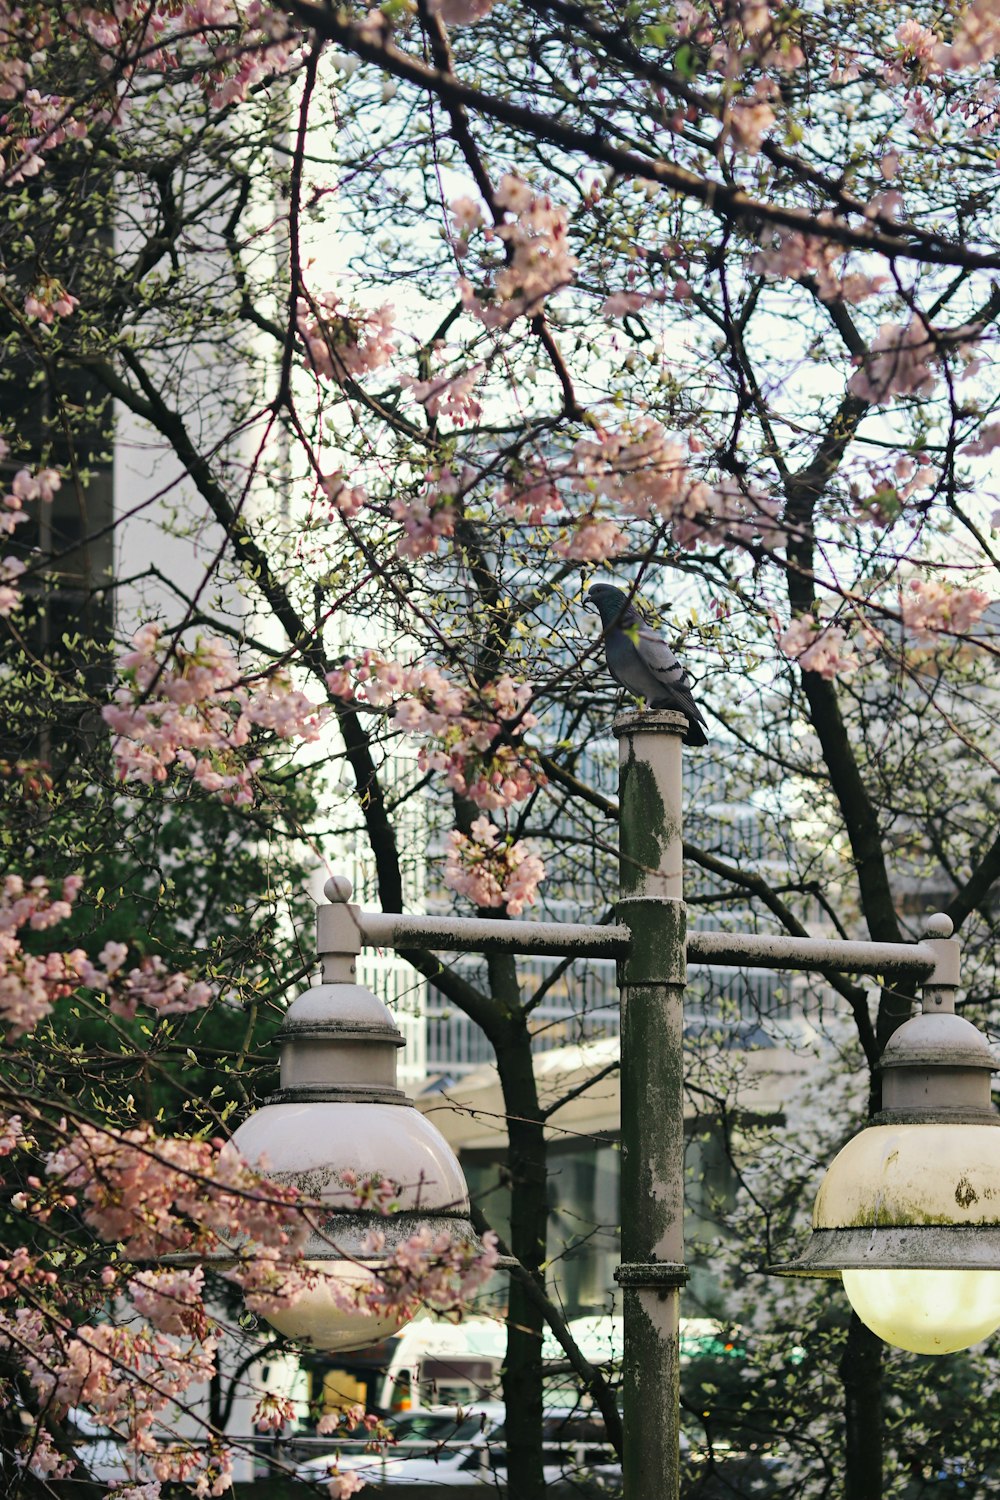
x: 341, y: 1093
x: 661, y: 1274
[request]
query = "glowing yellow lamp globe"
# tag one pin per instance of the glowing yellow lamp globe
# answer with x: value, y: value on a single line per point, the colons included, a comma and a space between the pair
x: 926, y: 1311
x: 908, y: 1215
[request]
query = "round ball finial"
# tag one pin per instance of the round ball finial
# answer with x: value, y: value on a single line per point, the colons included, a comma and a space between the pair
x: 338, y: 889
x: 938, y: 925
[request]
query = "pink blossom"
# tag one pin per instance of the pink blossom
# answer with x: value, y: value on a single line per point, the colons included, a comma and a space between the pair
x: 898, y: 364
x: 818, y: 648
x: 976, y: 39
x: 472, y: 734
x: 796, y: 256
x: 981, y: 108
x: 429, y: 517
x: 342, y: 1484
x: 451, y: 396
x: 916, y: 47
x: 845, y: 68
x: 273, y: 1412
x: 459, y: 13
x: 11, y: 569
x: 201, y: 716
x: 919, y: 113
x: 538, y: 262
x: 749, y: 119
x: 11, y: 1133
x: 39, y: 1454
x: 346, y: 498
x: 532, y: 498
x: 639, y: 468
x: 591, y: 541
x: 620, y: 303
x: 987, y: 440
x: 490, y: 872
x: 467, y: 215
x: 438, y: 1270
x: 160, y: 1194
x: 49, y: 300
x: 342, y: 342
x: 171, y: 1299
x: 31, y: 983
x: 930, y: 608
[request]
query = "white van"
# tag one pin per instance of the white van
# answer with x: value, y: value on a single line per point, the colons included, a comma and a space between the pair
x: 436, y: 1363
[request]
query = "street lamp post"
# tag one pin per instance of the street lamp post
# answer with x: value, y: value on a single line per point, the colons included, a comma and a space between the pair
x: 937, y: 1079
x: 652, y: 977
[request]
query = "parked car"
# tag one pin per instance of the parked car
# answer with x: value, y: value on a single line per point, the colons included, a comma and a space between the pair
x: 468, y: 1447
x: 441, y: 1446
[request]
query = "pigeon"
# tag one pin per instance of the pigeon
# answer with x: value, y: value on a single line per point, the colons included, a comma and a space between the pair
x: 642, y: 661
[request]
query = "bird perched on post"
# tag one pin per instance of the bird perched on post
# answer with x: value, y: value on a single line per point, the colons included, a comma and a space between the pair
x: 642, y: 661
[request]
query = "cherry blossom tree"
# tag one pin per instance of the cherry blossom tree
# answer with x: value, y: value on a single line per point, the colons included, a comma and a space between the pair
x: 437, y: 311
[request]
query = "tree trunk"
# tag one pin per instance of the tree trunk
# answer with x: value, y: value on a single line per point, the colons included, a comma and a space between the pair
x: 861, y: 1374
x: 522, y: 1372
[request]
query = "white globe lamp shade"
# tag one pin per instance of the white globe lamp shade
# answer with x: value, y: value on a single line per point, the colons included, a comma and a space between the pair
x: 323, y: 1317
x: 339, y: 1124
x: 908, y: 1213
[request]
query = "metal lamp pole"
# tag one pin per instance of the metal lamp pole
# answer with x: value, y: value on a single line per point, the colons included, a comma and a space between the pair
x: 652, y: 978
x: 649, y: 942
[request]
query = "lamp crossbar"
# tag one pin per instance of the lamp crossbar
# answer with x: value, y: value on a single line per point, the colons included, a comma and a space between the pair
x: 725, y: 949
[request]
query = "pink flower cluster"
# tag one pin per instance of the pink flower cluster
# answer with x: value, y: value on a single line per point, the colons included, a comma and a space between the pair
x: 916, y: 47
x: 986, y: 440
x: 752, y: 36
x: 898, y: 364
x: 452, y: 396
x: 226, y: 47
x: 823, y: 649
x: 233, y: 45
x: 537, y: 257
x: 348, y: 499
x: 461, y: 12
x: 273, y: 1412
x: 171, y: 1299
x: 154, y: 1195
x: 26, y: 487
x: 929, y: 608
x: 11, y: 569
x: 491, y: 872
x: 795, y: 257
x: 591, y: 540
x: 191, y: 708
x: 129, y: 1377
x: 430, y: 516
x: 642, y: 471
x: 532, y: 497
x: 879, y: 491
x: 40, y: 1456
x: 342, y: 342
x: 344, y: 1483
x: 31, y: 983
x: 475, y: 732
x: 750, y: 117
x: 436, y: 1270
x: 49, y: 300
x: 11, y: 1133
x: 976, y: 38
